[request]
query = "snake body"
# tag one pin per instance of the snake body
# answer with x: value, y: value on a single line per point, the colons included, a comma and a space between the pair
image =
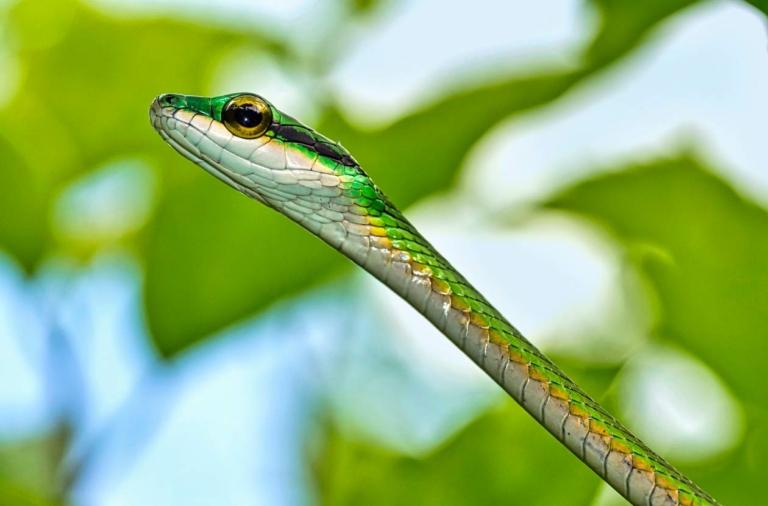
x: 246, y: 142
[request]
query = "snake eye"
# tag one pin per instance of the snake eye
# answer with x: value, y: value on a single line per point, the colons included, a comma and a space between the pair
x: 247, y: 116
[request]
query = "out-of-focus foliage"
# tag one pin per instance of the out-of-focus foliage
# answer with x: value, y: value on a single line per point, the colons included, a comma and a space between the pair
x: 364, y: 6
x: 503, y: 455
x: 624, y: 25
x: 468, y: 468
x: 711, y: 251
x: 760, y: 4
x: 212, y: 257
x: 27, y: 471
x: 703, y: 251
x: 26, y: 235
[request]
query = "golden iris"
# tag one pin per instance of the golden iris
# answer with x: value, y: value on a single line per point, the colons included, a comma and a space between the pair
x: 247, y: 116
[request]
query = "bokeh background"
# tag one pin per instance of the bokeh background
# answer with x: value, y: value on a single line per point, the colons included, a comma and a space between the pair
x: 598, y: 168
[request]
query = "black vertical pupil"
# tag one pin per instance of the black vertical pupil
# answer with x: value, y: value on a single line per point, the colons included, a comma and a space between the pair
x: 247, y: 115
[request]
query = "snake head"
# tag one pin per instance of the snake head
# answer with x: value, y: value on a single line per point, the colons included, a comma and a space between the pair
x: 246, y: 142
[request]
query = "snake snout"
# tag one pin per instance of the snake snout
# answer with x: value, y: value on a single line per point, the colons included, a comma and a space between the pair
x: 154, y: 110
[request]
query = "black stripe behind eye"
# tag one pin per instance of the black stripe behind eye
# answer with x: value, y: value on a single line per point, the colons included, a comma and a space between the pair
x: 298, y: 135
x: 324, y: 149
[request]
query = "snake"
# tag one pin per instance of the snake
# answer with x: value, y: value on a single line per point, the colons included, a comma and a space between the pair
x: 245, y: 141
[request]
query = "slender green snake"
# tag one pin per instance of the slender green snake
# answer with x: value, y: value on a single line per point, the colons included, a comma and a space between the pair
x: 246, y: 142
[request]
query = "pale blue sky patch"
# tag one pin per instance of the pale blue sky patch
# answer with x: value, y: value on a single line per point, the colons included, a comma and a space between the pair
x: 22, y: 334
x: 100, y: 315
x: 236, y: 429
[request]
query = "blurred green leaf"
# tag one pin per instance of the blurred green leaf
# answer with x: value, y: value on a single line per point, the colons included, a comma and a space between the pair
x: 214, y: 256
x: 24, y: 229
x: 740, y: 479
x: 15, y: 495
x: 760, y: 4
x: 364, y: 6
x: 626, y: 23
x: 27, y: 470
x: 505, y: 457
x: 703, y: 250
x: 504, y: 454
